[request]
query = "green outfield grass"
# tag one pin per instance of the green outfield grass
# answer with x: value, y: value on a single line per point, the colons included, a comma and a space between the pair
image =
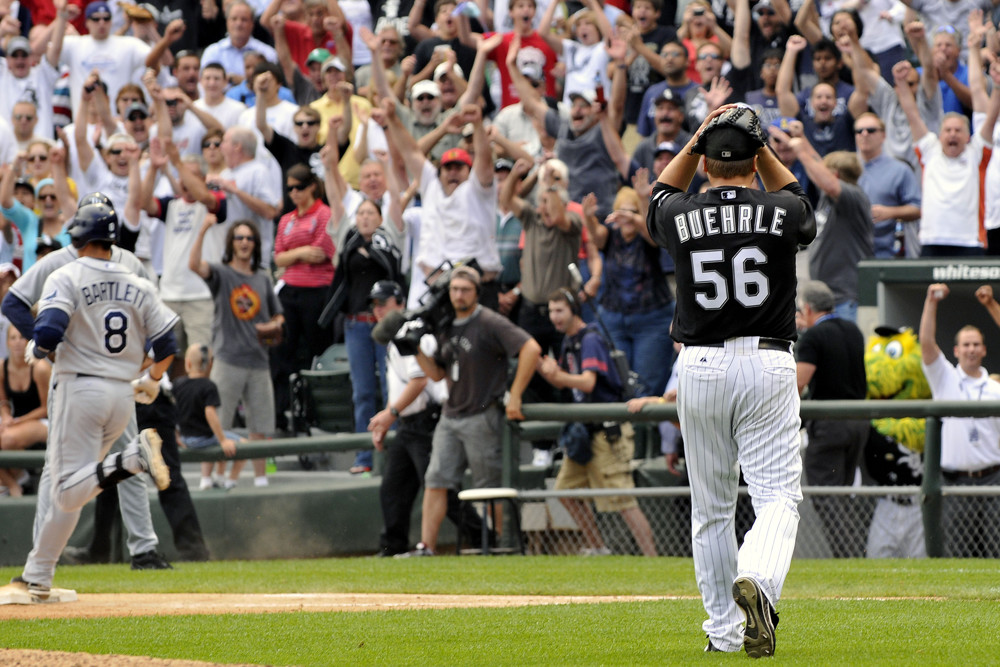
x: 833, y: 612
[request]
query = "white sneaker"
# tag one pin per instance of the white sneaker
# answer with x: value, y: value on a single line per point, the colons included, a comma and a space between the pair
x: 542, y: 458
x: 229, y: 484
x: 206, y: 484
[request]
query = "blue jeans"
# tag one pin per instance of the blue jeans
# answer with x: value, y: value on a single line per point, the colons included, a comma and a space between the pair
x: 366, y: 358
x: 645, y: 340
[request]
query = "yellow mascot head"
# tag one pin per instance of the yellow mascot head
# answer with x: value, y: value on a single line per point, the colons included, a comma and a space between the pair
x: 892, y: 365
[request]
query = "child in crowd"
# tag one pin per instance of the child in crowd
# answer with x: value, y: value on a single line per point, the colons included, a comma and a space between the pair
x: 198, y: 418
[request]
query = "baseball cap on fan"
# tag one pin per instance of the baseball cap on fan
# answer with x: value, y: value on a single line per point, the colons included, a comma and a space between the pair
x: 97, y: 6
x: 667, y: 147
x: 334, y: 63
x: 18, y: 44
x: 319, y: 55
x: 453, y: 155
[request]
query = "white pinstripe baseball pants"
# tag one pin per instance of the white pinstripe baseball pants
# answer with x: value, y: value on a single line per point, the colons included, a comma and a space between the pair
x: 739, y: 409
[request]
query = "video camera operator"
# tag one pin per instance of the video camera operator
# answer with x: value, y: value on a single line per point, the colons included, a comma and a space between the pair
x: 414, y: 406
x: 472, y: 354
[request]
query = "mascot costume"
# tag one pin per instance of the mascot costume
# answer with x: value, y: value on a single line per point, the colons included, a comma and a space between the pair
x: 893, y: 453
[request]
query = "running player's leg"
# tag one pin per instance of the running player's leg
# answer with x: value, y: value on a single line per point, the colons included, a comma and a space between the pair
x: 133, y: 494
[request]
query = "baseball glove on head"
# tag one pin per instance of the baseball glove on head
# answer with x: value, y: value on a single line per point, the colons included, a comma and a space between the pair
x: 735, y: 135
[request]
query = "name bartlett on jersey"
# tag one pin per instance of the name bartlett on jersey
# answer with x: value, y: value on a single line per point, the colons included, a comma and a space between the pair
x: 112, y: 290
x: 727, y: 219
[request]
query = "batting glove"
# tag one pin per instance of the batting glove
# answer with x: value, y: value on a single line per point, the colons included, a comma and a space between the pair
x: 33, y: 353
x: 146, y: 389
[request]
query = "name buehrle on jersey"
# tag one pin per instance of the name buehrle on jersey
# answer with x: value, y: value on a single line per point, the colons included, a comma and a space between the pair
x: 727, y: 219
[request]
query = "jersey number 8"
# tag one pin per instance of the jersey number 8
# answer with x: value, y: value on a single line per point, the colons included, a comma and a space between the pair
x: 115, y: 325
x: 750, y: 287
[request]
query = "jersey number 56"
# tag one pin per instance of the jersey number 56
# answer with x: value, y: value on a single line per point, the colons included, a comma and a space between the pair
x: 750, y: 287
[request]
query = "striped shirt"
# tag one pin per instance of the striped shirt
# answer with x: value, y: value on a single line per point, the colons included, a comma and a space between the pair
x: 295, y: 231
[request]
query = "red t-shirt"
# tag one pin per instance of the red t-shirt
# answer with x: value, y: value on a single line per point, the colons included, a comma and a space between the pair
x: 534, y: 49
x: 300, y: 42
x: 295, y: 231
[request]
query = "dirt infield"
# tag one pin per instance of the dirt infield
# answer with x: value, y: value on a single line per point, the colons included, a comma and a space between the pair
x: 95, y: 606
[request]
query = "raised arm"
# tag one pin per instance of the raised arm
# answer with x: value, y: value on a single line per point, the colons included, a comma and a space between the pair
x: 821, y: 175
x: 617, y: 49
x: 787, y: 103
x: 273, y: 9
x: 57, y: 158
x: 679, y: 171
x: 193, y: 183
x: 333, y: 180
x: 807, y: 22
x: 545, y: 27
x: 929, y: 350
x: 477, y: 77
x: 916, y: 34
x: 740, y: 56
x: 379, y: 79
x: 598, y: 232
x: 985, y: 296
x: 173, y: 32
x: 262, y: 86
x: 64, y: 14
x: 907, y: 102
x: 407, y: 146
x: 195, y: 262
x: 418, y: 31
x: 84, y: 151
x: 133, y: 204
x: 282, y: 49
x: 508, y: 199
x: 531, y: 99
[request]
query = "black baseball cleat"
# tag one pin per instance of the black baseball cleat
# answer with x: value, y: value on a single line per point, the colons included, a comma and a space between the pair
x: 758, y: 636
x: 711, y: 648
x: 150, y: 560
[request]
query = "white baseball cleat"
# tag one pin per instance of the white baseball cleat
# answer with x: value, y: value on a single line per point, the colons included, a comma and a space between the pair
x: 151, y: 459
x: 19, y: 591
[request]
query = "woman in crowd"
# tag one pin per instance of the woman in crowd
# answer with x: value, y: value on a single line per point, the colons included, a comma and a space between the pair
x: 637, y: 306
x: 24, y: 391
x: 367, y: 257
x: 305, y: 251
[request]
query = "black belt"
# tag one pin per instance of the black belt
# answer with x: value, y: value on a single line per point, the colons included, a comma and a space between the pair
x: 779, y: 344
x: 906, y: 501
x: 974, y: 474
x: 431, y: 411
x: 541, y: 308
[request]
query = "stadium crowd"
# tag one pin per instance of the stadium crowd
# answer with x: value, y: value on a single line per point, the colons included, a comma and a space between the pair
x: 354, y: 141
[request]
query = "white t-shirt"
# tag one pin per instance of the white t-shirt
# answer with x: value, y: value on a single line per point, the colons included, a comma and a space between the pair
x: 966, y: 443
x: 585, y: 66
x: 227, y: 111
x: 256, y: 179
x: 359, y: 15
x: 181, y: 224
x: 36, y: 87
x: 187, y: 135
x: 951, y: 213
x: 279, y: 117
x: 460, y: 225
x: 119, y: 60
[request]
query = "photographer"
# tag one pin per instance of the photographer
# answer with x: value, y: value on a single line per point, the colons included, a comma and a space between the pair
x: 472, y: 354
x: 604, y: 461
x: 414, y: 407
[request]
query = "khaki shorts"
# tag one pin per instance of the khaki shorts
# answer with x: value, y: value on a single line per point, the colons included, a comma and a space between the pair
x: 609, y: 469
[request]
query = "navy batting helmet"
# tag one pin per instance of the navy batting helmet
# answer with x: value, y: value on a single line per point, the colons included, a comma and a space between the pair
x: 95, y: 198
x: 383, y: 289
x: 93, y: 222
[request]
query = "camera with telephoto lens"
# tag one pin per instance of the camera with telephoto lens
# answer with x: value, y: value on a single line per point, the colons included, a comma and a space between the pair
x: 434, y: 314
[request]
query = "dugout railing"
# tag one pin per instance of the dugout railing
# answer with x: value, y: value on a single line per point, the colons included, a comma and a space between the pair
x: 544, y: 421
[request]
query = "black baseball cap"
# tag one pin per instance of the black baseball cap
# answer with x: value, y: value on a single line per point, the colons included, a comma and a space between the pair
x: 384, y: 289
x: 730, y: 144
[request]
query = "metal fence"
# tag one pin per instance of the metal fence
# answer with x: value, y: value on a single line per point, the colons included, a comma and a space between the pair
x: 935, y: 519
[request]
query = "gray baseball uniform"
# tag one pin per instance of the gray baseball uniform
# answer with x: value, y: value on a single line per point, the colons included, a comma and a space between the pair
x: 133, y: 492
x: 111, y: 314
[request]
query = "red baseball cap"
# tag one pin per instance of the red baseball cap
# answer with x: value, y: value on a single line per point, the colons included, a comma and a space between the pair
x: 456, y: 155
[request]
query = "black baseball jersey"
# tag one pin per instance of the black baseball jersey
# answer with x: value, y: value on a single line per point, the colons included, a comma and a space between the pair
x: 734, y: 251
